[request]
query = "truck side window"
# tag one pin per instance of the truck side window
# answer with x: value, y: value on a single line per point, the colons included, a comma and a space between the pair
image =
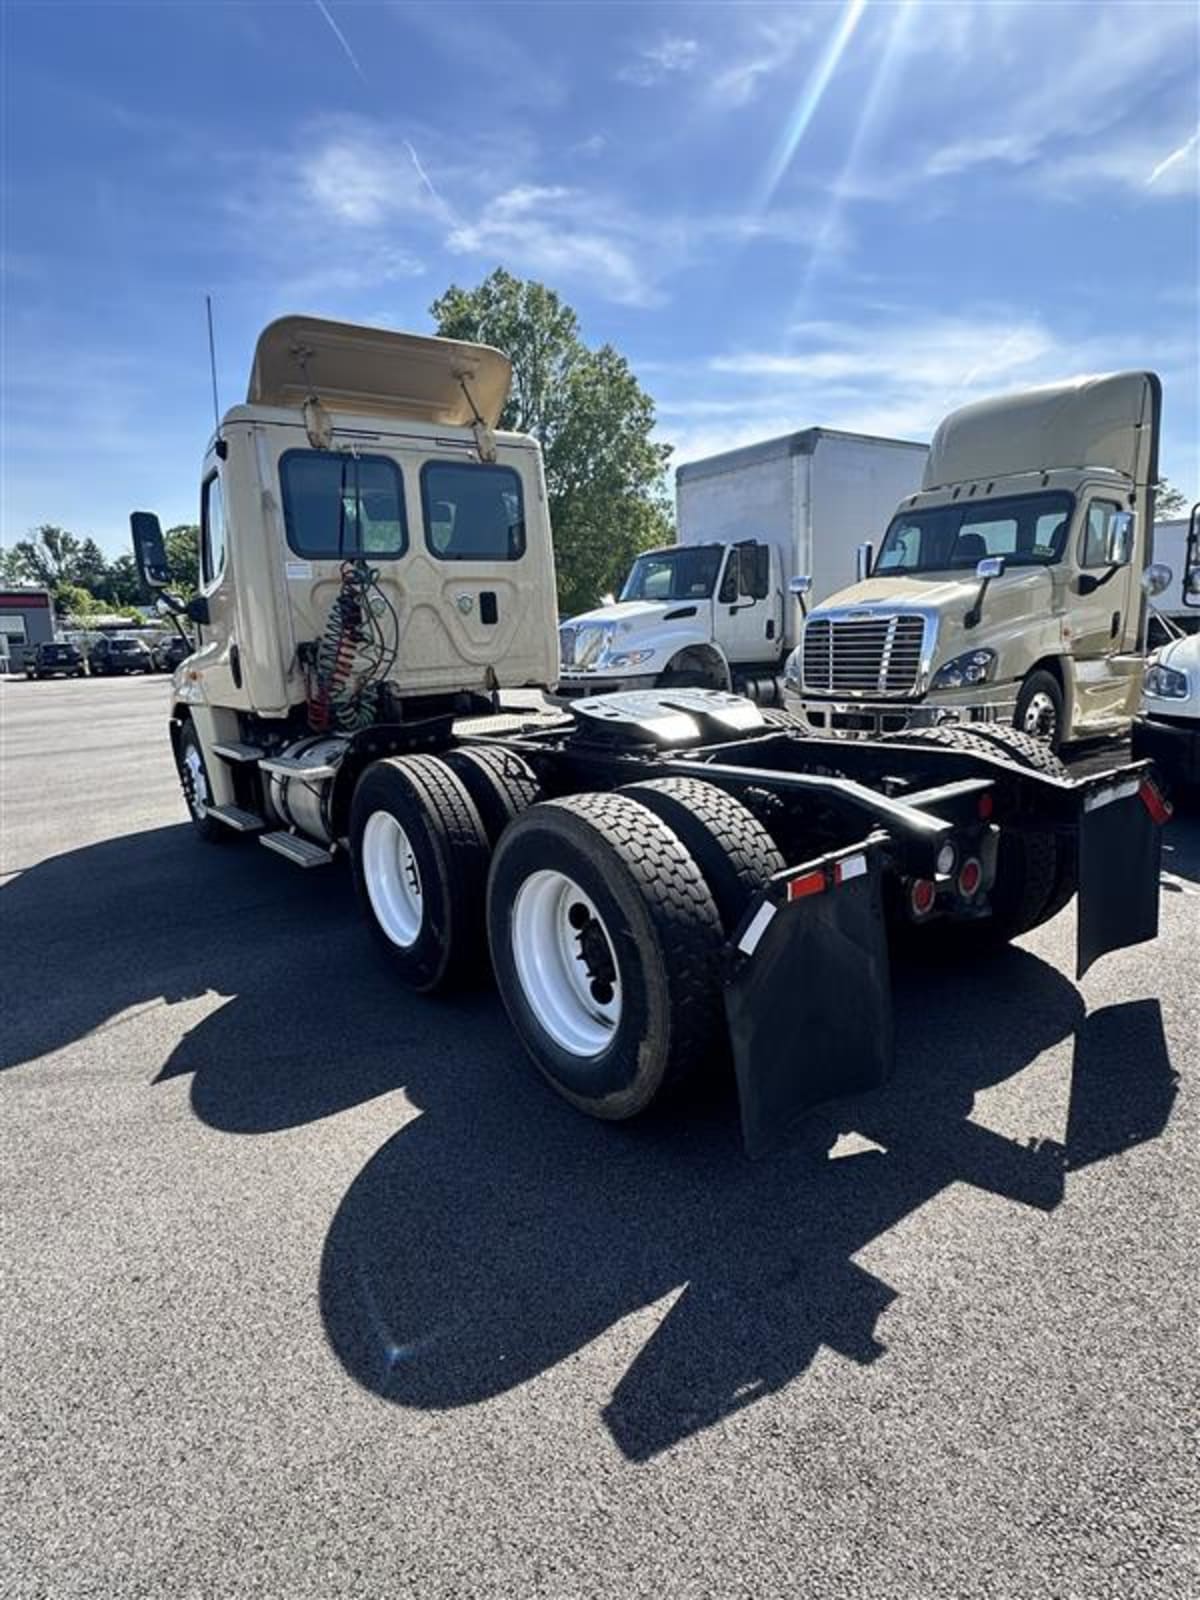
x: 339, y: 507
x: 1094, y: 545
x: 729, y: 583
x: 473, y: 512
x: 212, y: 531
x: 754, y: 581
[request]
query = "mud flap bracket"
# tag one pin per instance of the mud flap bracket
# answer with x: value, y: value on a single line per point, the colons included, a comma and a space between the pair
x: 808, y: 992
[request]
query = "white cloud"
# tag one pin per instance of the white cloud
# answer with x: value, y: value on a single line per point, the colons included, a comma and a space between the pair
x: 896, y: 377
x: 1068, y: 103
x: 558, y: 233
x: 653, y: 62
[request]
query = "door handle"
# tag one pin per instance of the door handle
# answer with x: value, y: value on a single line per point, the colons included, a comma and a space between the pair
x: 1116, y: 625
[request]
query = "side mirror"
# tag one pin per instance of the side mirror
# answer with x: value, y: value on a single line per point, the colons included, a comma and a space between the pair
x: 196, y: 610
x: 1155, y: 579
x: 864, y: 560
x: 1118, y: 544
x: 149, y: 550
x: 985, y: 570
x: 800, y: 586
x: 1191, y: 588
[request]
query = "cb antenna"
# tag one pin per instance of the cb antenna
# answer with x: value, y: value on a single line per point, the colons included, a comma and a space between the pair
x: 212, y: 362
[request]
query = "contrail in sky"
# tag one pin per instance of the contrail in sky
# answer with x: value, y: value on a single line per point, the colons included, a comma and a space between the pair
x: 1173, y: 159
x: 423, y: 175
x: 340, y: 37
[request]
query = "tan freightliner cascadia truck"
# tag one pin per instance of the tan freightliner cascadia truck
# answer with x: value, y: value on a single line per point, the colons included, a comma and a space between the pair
x: 1011, y: 589
x: 656, y: 877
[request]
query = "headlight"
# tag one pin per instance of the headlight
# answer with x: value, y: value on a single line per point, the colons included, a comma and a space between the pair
x: 976, y: 666
x: 1166, y: 683
x: 628, y: 658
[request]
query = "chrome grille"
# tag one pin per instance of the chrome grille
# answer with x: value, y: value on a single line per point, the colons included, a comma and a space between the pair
x: 863, y: 655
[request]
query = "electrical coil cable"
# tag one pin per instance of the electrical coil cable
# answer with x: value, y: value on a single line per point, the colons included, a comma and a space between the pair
x: 355, y: 655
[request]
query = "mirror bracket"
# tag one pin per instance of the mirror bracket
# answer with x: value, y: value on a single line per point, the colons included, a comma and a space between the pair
x: 987, y: 569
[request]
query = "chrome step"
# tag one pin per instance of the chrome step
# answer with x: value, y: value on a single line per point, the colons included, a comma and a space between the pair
x: 297, y: 848
x: 237, y: 752
x: 289, y: 767
x: 234, y: 817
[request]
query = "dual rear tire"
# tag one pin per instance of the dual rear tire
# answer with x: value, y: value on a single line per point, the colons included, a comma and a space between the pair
x: 605, y: 914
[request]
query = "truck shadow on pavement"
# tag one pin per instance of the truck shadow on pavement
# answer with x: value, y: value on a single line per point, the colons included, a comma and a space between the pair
x: 500, y: 1232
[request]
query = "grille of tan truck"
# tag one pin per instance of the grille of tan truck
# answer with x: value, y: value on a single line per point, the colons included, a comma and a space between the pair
x: 863, y: 655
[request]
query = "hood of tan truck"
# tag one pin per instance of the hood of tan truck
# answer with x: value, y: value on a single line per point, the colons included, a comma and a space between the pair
x: 378, y: 372
x: 885, y: 594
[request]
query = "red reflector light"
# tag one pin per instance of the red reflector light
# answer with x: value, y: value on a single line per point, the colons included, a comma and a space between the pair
x: 969, y: 878
x: 1159, y: 808
x: 807, y: 883
x: 985, y: 807
x: 921, y: 897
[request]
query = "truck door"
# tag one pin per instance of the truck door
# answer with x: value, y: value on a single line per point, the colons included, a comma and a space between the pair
x: 218, y: 656
x: 1100, y: 617
x: 749, y: 616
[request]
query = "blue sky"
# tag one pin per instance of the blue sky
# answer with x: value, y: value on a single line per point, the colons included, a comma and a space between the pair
x: 848, y: 214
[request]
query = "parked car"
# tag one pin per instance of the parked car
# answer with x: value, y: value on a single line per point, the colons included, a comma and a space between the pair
x: 120, y: 652
x: 53, y: 659
x: 169, y: 651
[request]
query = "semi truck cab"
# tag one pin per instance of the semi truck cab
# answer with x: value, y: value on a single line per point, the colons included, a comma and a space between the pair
x: 1012, y: 586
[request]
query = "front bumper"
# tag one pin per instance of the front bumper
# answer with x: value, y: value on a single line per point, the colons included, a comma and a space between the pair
x: 982, y: 703
x: 1173, y: 746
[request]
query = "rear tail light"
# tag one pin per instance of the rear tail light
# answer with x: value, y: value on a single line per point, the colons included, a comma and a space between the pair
x: 921, y: 896
x: 970, y: 876
x: 1155, y: 803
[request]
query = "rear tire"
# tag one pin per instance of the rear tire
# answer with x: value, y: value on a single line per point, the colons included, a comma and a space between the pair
x: 1035, y: 871
x: 420, y: 856
x: 500, y: 782
x: 730, y: 846
x: 606, y: 944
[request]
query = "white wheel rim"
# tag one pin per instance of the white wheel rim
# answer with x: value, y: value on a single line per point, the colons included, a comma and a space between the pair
x: 565, y: 963
x: 1040, y: 716
x: 197, y: 782
x: 393, y: 879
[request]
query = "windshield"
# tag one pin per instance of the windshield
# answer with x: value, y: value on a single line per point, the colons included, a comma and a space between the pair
x: 1028, y: 530
x: 684, y: 574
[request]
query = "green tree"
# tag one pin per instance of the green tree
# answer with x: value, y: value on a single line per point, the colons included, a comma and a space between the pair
x: 72, y: 600
x: 183, y: 558
x: 49, y: 558
x: 1168, y: 500
x: 605, y: 474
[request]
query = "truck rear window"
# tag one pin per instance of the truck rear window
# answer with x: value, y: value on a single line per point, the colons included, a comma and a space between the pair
x: 337, y: 506
x: 472, y: 512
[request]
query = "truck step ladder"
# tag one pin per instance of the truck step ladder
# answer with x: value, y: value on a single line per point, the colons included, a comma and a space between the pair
x: 234, y: 817
x: 297, y: 849
x: 238, y: 752
x: 289, y: 767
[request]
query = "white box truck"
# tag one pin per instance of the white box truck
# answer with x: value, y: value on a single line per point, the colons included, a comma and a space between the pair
x: 713, y: 610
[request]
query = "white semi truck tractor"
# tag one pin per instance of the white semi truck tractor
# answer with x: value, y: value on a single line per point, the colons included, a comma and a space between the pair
x: 1169, y: 727
x: 657, y: 879
x: 1012, y: 589
x: 714, y: 609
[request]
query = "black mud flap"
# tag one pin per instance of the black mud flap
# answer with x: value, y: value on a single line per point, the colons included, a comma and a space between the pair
x: 1120, y: 853
x: 808, y: 993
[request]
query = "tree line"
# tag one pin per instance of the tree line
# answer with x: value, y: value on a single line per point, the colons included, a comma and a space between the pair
x: 83, y: 581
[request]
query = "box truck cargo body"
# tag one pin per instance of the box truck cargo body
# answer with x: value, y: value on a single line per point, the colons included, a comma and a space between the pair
x: 766, y: 513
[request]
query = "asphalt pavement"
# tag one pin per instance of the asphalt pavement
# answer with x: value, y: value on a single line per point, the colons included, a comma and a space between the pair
x: 311, y: 1288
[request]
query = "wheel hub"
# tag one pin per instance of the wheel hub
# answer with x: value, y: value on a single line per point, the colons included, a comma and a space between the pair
x: 565, y: 964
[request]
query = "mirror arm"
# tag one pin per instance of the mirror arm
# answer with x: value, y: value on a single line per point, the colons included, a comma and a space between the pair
x: 975, y: 615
